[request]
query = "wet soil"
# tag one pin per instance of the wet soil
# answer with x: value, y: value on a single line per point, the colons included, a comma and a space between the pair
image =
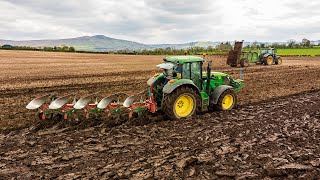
x: 274, y: 139
x: 24, y: 75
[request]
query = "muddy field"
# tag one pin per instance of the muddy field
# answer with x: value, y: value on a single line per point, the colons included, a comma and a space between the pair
x: 277, y: 139
x: 25, y: 74
x: 272, y: 134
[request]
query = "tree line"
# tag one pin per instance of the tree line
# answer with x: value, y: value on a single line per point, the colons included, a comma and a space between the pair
x: 50, y: 49
x: 290, y: 44
x: 222, y: 48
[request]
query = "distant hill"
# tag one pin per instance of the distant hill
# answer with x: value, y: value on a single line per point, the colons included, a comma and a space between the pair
x: 85, y: 43
x: 103, y: 43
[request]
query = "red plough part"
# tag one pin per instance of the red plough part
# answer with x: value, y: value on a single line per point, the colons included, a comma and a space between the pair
x: 64, y: 106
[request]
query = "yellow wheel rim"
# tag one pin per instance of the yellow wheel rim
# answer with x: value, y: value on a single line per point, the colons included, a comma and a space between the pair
x: 184, y: 105
x: 279, y: 61
x: 227, y: 102
x: 270, y: 60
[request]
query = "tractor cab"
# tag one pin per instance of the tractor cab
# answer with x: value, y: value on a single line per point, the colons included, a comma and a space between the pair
x: 187, y: 67
x: 268, y: 51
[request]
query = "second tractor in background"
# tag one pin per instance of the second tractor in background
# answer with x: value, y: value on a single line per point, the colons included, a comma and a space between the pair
x: 237, y: 56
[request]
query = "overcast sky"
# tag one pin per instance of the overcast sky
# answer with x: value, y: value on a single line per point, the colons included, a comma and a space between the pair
x: 161, y: 21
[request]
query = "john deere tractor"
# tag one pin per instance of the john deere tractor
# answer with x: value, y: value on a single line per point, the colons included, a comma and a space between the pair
x: 268, y: 56
x: 180, y: 91
x: 183, y: 88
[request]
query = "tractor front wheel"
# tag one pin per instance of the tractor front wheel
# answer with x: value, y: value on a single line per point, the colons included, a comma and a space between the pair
x: 181, y: 103
x: 279, y: 61
x: 268, y: 60
x: 227, y: 100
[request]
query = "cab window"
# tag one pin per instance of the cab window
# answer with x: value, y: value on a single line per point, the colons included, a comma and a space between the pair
x: 186, y: 74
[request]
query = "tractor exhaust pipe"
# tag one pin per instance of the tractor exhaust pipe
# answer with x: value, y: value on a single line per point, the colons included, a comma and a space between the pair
x: 208, y: 77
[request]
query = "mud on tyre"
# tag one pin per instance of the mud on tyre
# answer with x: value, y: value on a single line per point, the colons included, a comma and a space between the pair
x: 268, y: 60
x: 226, y: 101
x: 279, y: 61
x: 181, y: 103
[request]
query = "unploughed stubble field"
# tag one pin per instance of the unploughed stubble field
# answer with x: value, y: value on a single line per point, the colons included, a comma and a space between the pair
x: 24, y: 74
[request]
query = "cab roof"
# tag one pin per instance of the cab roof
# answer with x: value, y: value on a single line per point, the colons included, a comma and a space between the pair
x: 183, y: 59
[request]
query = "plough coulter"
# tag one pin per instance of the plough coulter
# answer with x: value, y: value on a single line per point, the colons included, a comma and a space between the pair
x: 181, y: 90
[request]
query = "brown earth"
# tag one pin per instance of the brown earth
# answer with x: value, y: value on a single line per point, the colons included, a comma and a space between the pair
x: 273, y: 134
x: 24, y: 74
x: 276, y: 139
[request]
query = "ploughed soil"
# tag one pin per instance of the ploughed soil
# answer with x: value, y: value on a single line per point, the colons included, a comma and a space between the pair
x: 25, y: 74
x: 276, y: 139
x: 274, y: 133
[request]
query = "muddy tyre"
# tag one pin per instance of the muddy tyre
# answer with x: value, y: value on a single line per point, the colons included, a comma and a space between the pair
x: 279, y: 61
x: 268, y: 61
x: 226, y: 101
x: 181, y: 103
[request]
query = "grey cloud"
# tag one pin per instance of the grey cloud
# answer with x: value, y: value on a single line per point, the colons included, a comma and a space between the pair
x: 154, y: 21
x: 54, y: 8
x: 182, y: 6
x: 302, y: 9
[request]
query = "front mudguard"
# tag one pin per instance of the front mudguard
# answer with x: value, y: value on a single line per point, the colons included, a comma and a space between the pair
x: 214, y: 97
x: 277, y: 57
x: 237, y: 84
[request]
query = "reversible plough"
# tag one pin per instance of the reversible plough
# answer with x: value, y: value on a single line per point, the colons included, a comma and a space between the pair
x: 50, y: 107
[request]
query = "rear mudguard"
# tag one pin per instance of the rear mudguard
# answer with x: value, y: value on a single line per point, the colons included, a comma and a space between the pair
x: 214, y: 97
x: 266, y: 55
x: 170, y: 87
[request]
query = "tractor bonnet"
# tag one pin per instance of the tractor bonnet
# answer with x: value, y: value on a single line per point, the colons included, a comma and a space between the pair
x: 165, y: 65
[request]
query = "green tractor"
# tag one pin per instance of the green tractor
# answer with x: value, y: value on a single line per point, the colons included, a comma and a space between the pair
x: 267, y: 56
x: 179, y: 92
x: 183, y: 88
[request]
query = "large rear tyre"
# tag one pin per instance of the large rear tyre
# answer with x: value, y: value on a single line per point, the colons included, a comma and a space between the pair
x: 244, y: 62
x: 181, y: 103
x: 268, y: 60
x: 279, y: 61
x: 226, y: 101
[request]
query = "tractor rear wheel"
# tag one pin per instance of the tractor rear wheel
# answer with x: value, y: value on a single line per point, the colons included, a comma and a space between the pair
x: 227, y: 100
x: 244, y: 62
x: 279, y: 61
x: 268, y: 60
x: 181, y: 103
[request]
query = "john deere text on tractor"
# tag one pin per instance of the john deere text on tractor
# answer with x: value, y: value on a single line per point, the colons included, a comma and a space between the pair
x: 180, y: 91
x: 267, y: 56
